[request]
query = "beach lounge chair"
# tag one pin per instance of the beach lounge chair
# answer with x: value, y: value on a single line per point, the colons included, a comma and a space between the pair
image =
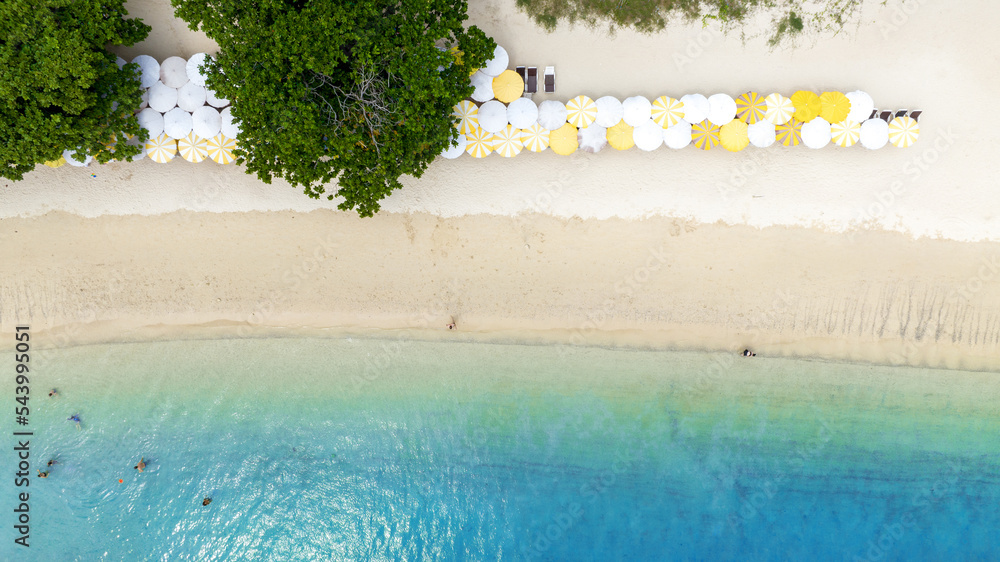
x: 520, y: 71
x: 874, y: 114
x: 550, y: 79
x: 915, y: 114
x: 531, y: 83
x: 902, y: 112
x: 885, y: 116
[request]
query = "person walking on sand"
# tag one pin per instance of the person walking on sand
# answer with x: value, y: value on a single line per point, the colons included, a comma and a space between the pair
x: 451, y: 325
x: 142, y: 464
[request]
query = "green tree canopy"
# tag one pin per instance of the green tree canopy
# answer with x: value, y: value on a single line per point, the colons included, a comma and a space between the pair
x: 59, y: 84
x: 360, y: 92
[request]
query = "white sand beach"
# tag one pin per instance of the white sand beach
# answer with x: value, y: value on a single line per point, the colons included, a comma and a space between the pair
x: 887, y: 256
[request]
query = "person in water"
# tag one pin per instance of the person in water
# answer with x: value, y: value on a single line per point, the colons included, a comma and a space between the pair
x: 53, y: 393
x: 43, y: 474
x: 206, y: 501
x: 748, y: 353
x: 142, y: 464
x: 75, y: 418
x: 51, y: 462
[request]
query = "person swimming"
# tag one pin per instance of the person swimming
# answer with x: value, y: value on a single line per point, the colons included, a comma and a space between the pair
x: 75, y: 418
x: 142, y: 464
x: 53, y: 393
x: 43, y: 474
x: 206, y: 501
x: 51, y: 462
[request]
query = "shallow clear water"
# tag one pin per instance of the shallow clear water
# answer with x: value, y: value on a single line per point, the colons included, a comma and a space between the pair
x: 348, y: 449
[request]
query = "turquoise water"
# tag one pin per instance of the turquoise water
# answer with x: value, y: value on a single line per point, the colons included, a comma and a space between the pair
x: 357, y: 449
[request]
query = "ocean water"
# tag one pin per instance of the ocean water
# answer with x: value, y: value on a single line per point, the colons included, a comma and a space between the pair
x: 380, y: 449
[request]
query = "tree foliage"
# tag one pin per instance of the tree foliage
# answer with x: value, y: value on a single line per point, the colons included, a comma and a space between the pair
x: 360, y: 92
x: 59, y: 86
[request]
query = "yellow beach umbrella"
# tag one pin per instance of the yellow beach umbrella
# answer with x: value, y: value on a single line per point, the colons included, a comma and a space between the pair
x: 751, y: 107
x: 705, y: 134
x: 581, y: 111
x: 193, y: 148
x: 563, y: 140
x: 220, y: 149
x: 903, y: 131
x: 507, y: 142
x: 834, y: 107
x: 620, y: 136
x: 508, y: 86
x: 535, y: 138
x: 667, y: 112
x: 467, y: 112
x: 161, y: 149
x: 789, y: 134
x: 56, y: 163
x: 779, y: 109
x: 806, y: 104
x: 845, y: 133
x: 733, y: 136
x: 480, y: 143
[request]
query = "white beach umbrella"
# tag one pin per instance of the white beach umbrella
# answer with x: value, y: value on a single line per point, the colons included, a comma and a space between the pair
x: 144, y: 96
x: 190, y: 97
x: 120, y: 62
x: 68, y: 155
x: 609, y: 111
x: 677, y: 136
x: 162, y: 98
x: 552, y: 114
x: 173, y: 72
x: 213, y: 100
x: 592, y: 138
x: 149, y: 70
x: 861, y: 106
x: 230, y: 128
x: 483, y: 84
x: 721, y: 109
x: 151, y: 120
x: 648, y: 135
x: 177, y: 123
x: 455, y: 151
x: 206, y: 122
x: 761, y: 133
x: 522, y: 113
x: 816, y: 133
x: 492, y: 116
x: 496, y: 65
x: 193, y: 69
x: 696, y: 108
x: 133, y: 140
x: 874, y: 134
x: 636, y: 110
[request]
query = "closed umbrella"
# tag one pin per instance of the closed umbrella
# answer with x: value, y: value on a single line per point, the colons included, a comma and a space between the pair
x: 69, y: 156
x: 467, y: 114
x: 190, y: 97
x: 721, y: 109
x: 193, y: 69
x: 206, y: 122
x: 152, y: 121
x: 834, y: 107
x: 214, y: 100
x: 620, y: 136
x: 779, y: 109
x: 492, y: 116
x: 903, y: 131
x: 552, y: 114
x: 862, y: 106
x: 479, y: 143
x: 705, y: 134
x: 609, y: 111
x: 193, y: 148
x: 816, y: 133
x: 678, y: 136
x: 162, y: 98
x: 229, y: 127
x: 696, y: 108
x: 483, y: 85
x: 648, y: 136
x: 177, y: 123
x: 456, y: 150
x: 636, y: 110
x: 733, y: 135
x: 789, y: 134
x: 508, y: 86
x: 592, y: 138
x: 522, y: 113
x: 581, y: 111
x: 161, y: 149
x: 667, y: 111
x: 173, y: 72
x: 220, y: 149
x: 499, y: 62
x: 535, y: 138
x: 761, y: 133
x: 751, y: 107
x: 806, y: 104
x: 563, y: 140
x: 845, y: 133
x: 149, y: 70
x: 507, y: 142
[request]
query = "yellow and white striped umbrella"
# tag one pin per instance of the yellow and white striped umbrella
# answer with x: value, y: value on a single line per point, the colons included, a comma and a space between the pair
x: 161, y: 149
x: 220, y: 149
x: 751, y: 107
x: 56, y: 163
x: 733, y: 135
x: 620, y: 136
x: 667, y: 112
x: 807, y: 105
x: 581, y: 111
x: 535, y: 138
x: 790, y: 133
x: 903, y: 131
x: 845, y: 133
x: 779, y: 109
x: 467, y: 113
x: 507, y: 142
x: 193, y: 148
x: 480, y: 143
x: 705, y: 134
